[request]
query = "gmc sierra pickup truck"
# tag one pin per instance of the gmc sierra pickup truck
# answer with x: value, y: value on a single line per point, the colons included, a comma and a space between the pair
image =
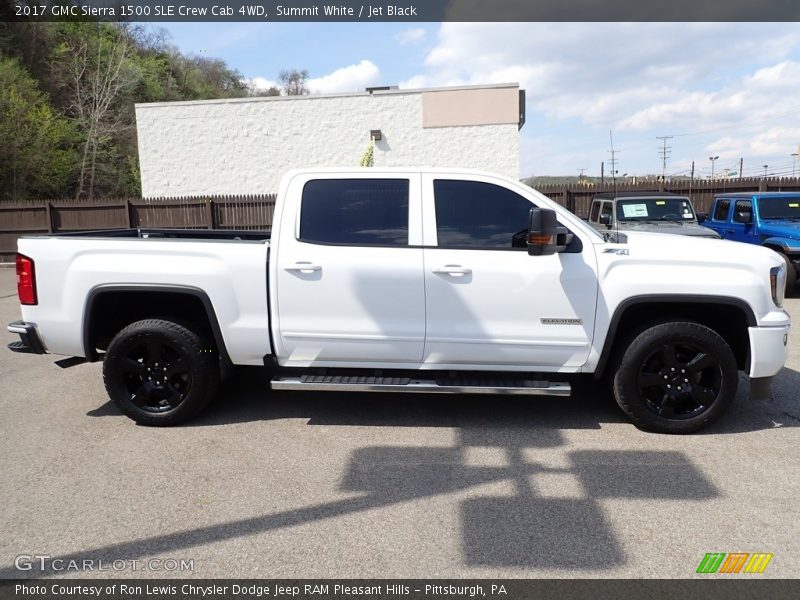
x: 410, y: 281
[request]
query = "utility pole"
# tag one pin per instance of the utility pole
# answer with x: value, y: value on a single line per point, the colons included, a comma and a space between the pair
x: 613, y: 154
x: 580, y: 176
x: 741, y: 166
x: 602, y: 173
x: 614, y: 169
x: 691, y: 181
x: 664, y: 151
x: 794, y: 161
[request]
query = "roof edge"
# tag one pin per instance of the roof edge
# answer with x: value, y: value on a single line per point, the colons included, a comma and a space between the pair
x: 396, y: 92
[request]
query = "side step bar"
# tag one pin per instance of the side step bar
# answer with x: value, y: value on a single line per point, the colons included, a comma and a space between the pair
x: 344, y: 383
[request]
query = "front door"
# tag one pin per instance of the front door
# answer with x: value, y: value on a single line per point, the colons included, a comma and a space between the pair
x: 350, y: 288
x: 490, y: 305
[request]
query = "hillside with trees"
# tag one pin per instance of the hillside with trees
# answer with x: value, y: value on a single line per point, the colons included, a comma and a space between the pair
x: 67, y: 95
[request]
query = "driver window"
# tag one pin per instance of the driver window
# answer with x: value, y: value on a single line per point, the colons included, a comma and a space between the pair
x: 477, y: 215
x: 595, y: 212
x: 742, y: 206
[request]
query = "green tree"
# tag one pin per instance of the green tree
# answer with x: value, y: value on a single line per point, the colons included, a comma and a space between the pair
x: 37, y: 155
x: 87, y: 78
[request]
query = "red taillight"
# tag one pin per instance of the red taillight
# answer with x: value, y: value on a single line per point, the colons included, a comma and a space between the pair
x: 26, y: 280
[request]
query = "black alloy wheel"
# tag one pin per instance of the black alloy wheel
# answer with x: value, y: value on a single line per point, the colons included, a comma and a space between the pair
x: 680, y: 381
x: 676, y: 377
x: 159, y: 372
x: 156, y: 375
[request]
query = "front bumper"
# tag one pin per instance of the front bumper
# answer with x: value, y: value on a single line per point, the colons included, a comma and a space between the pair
x: 29, y: 342
x: 769, y: 349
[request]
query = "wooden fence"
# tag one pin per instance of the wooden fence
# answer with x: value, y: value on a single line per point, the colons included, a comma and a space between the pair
x: 54, y: 216
x: 578, y: 198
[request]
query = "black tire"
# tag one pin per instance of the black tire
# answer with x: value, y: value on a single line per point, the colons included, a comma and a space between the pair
x: 159, y: 372
x: 791, y: 276
x: 676, y: 377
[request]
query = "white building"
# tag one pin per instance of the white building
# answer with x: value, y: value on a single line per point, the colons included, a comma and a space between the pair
x: 245, y: 145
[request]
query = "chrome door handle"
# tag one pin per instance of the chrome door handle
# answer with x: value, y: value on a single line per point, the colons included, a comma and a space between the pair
x: 454, y: 270
x: 303, y: 267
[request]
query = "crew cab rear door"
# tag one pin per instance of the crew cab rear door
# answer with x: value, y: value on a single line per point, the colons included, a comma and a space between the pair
x: 489, y: 304
x: 348, y: 272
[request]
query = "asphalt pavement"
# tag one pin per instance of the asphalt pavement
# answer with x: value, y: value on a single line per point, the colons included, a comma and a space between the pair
x: 268, y: 484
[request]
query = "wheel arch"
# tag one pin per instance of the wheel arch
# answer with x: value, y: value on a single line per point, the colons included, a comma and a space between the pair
x: 729, y: 317
x: 136, y: 302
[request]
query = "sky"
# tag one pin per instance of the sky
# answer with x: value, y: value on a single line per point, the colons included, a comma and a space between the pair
x: 719, y: 89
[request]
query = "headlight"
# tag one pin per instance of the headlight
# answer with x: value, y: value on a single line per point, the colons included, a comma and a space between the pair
x: 777, y: 283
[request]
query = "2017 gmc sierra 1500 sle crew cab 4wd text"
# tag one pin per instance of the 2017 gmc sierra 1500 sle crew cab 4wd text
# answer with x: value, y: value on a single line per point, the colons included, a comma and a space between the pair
x: 410, y: 280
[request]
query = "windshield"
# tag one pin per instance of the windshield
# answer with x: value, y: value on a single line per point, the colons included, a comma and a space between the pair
x: 655, y: 209
x: 780, y: 208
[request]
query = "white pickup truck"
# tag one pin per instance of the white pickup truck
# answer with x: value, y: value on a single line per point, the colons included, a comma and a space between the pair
x: 410, y: 281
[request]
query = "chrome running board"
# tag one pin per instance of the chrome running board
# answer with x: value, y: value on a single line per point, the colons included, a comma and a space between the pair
x: 354, y: 383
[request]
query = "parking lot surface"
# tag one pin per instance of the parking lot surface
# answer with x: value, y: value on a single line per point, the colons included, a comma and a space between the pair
x: 268, y: 484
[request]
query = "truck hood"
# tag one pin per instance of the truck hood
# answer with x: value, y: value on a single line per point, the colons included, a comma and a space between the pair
x: 657, y: 247
x: 786, y: 229
x: 657, y: 264
x: 673, y: 227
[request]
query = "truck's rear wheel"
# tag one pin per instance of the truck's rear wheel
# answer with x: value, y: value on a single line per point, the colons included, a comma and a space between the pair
x: 159, y: 372
x: 676, y: 377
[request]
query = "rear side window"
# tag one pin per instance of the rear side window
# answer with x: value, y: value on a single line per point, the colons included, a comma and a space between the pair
x: 355, y: 212
x: 475, y: 215
x: 721, y: 211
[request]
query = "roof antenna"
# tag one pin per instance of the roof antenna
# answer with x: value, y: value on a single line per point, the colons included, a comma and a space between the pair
x: 614, y: 184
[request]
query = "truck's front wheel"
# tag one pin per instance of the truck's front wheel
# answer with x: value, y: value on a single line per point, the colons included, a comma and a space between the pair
x: 159, y: 372
x: 676, y: 377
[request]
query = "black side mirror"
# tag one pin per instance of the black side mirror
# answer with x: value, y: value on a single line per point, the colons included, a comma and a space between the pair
x: 605, y: 219
x: 744, y: 216
x: 542, y: 232
x: 702, y: 217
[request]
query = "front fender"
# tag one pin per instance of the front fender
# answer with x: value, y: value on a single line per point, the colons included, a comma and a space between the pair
x: 789, y: 246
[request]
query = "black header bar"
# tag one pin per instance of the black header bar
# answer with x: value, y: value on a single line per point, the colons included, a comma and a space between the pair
x: 712, y: 587
x: 401, y: 10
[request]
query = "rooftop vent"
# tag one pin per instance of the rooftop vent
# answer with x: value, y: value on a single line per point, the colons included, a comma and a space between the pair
x: 382, y: 88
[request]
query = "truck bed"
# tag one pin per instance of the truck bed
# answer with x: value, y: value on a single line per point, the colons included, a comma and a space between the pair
x: 226, y: 269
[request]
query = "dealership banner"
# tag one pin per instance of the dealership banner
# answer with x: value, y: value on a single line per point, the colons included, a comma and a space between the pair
x: 402, y: 10
x: 396, y: 589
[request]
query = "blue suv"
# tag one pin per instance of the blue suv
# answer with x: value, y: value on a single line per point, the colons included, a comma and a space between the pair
x: 770, y: 219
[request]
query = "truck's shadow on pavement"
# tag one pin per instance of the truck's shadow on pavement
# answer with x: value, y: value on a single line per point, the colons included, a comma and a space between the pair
x: 541, y: 504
